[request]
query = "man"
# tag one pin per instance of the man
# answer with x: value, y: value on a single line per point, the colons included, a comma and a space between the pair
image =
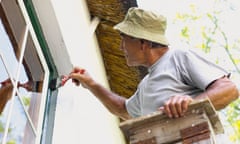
x: 176, y: 77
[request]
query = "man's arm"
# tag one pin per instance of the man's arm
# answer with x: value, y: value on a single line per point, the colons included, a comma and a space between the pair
x: 113, y: 102
x: 221, y: 93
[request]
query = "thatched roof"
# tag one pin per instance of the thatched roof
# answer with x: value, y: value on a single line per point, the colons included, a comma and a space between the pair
x: 123, y: 79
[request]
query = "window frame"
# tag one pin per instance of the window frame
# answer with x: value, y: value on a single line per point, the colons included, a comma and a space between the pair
x: 51, y: 99
x: 48, y: 104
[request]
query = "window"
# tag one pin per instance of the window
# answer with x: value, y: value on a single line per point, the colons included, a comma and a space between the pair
x: 23, y: 77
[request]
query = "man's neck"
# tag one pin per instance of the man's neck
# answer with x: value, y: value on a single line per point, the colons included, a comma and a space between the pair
x: 156, y: 54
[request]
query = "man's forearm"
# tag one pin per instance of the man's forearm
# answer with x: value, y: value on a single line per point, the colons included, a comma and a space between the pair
x: 114, y: 103
x: 221, y: 93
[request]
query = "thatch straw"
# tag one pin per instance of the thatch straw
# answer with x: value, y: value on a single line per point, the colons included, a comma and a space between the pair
x: 111, y: 10
x: 122, y: 79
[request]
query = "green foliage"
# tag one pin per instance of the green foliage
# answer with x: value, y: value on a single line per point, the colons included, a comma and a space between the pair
x: 212, y: 35
x: 237, y: 61
x: 1, y: 127
x: 185, y: 33
x: 233, y: 117
x: 26, y: 100
x: 11, y: 142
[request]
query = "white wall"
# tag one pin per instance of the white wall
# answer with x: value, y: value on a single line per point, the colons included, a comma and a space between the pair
x: 80, y: 117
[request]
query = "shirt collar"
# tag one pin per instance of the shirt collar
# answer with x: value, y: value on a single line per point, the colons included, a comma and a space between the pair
x: 160, y: 60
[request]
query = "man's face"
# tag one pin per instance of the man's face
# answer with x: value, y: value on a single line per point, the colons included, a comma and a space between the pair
x: 132, y: 48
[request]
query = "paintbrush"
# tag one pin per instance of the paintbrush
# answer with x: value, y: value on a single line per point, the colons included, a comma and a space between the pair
x: 60, y: 81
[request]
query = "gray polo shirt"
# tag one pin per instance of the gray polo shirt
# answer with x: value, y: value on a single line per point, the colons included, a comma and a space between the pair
x: 177, y: 72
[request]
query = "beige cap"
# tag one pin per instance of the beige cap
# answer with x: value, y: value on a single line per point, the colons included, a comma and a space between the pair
x: 144, y: 24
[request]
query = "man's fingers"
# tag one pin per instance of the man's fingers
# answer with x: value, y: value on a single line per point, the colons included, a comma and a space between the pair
x: 173, y: 107
x: 75, y: 78
x: 76, y: 82
x: 167, y: 109
x: 77, y: 70
x: 179, y: 106
x: 176, y: 106
x: 186, y: 101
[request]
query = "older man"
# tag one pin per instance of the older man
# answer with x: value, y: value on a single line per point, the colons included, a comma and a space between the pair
x: 175, y: 77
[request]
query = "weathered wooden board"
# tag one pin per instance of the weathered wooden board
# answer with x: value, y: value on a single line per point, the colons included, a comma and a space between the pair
x: 159, y: 127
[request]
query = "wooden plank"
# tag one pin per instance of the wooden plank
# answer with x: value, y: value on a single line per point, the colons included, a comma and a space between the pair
x: 198, y: 138
x: 193, y: 108
x: 194, y: 130
x: 148, y: 141
x: 167, y: 130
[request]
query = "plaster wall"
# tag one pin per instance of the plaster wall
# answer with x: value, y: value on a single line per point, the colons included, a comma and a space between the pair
x: 80, y: 117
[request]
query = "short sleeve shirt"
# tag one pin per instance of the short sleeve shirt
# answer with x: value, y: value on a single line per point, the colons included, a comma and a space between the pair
x: 177, y: 72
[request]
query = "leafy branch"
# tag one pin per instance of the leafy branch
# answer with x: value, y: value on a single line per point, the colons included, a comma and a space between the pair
x: 214, y: 19
x: 209, y: 34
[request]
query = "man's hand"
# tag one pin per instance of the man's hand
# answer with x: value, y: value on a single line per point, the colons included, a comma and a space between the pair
x: 81, y: 76
x: 176, y: 106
